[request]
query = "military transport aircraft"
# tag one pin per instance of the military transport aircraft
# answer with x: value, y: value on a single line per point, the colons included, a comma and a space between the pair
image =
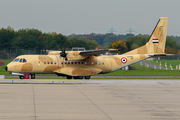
x: 79, y: 64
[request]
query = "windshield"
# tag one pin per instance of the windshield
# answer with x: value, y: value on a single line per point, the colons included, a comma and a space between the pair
x: 16, y: 60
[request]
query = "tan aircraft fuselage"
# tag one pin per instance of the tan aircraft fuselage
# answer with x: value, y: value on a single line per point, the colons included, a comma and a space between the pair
x: 87, y: 63
x: 87, y: 67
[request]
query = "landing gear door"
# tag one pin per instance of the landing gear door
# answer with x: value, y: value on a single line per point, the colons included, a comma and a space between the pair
x: 107, y: 64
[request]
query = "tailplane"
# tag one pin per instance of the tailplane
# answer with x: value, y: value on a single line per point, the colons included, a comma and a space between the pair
x: 157, y: 40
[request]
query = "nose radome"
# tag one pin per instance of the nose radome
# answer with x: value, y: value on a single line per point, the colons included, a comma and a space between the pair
x: 6, y: 68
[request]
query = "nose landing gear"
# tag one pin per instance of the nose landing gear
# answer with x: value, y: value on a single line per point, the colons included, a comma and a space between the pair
x: 26, y: 76
x: 21, y: 77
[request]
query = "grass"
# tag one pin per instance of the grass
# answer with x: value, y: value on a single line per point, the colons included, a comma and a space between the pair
x: 102, y: 78
x: 139, y: 69
x: 37, y: 78
x: 145, y: 72
x: 2, y: 68
x: 173, y: 63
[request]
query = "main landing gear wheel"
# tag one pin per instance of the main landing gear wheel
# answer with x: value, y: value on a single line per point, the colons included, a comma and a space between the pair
x: 76, y: 77
x: 21, y: 77
x: 69, y: 77
x: 87, y: 77
x: 33, y: 76
x: 80, y: 77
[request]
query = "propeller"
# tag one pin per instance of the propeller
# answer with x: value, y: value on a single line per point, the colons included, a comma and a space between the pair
x: 63, y: 54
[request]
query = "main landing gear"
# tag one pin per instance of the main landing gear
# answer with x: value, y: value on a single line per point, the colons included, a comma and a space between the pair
x: 78, y: 77
x: 87, y: 77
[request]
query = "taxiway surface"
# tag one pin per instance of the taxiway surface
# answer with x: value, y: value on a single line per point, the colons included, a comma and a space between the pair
x: 97, y: 81
x: 92, y: 100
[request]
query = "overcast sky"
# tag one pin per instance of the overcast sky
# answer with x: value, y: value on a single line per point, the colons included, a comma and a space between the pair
x: 87, y: 16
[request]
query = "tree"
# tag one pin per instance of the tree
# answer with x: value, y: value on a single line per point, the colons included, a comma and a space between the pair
x: 120, y: 45
x: 26, y: 42
x: 171, y: 46
x: 6, y: 36
x: 136, y: 41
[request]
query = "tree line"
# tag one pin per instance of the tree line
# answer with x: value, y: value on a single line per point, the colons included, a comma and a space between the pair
x: 137, y: 41
x: 35, y: 39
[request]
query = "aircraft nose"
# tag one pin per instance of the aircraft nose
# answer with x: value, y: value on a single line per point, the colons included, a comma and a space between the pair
x: 6, y: 68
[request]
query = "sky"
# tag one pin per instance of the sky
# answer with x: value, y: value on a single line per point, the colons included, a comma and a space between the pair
x: 90, y: 16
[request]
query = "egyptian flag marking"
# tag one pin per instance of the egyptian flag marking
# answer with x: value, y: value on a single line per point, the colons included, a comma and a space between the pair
x: 155, y: 40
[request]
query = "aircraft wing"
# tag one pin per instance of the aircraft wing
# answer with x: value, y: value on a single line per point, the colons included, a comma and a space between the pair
x: 95, y: 52
x: 80, y: 55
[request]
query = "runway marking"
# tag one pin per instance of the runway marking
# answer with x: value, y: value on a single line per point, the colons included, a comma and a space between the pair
x: 56, y: 80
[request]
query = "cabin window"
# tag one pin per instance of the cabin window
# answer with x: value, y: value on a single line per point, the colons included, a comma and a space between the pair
x: 95, y: 63
x: 47, y: 62
x: 82, y: 63
x: 99, y: 63
x: 51, y: 62
x: 85, y: 63
x: 102, y: 63
x: 89, y: 63
x: 16, y: 60
x: 38, y: 61
x: 61, y: 62
x: 92, y: 63
x: 21, y: 60
x: 68, y: 63
x: 79, y: 63
x: 65, y: 62
x: 44, y: 62
x: 24, y: 60
x: 72, y: 63
x: 75, y: 62
x: 55, y: 63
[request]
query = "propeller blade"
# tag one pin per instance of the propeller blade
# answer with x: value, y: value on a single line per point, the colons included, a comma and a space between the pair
x: 63, y: 53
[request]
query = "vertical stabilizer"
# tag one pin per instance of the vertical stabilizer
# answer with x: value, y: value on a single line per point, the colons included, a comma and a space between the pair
x: 157, y: 40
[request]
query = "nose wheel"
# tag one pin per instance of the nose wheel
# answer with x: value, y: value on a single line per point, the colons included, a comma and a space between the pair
x: 21, y: 77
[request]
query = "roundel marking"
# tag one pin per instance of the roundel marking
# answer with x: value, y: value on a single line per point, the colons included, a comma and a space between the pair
x: 124, y: 60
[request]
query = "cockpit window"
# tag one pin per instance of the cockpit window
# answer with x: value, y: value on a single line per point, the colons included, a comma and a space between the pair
x: 16, y: 60
x: 24, y: 60
x: 21, y: 60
